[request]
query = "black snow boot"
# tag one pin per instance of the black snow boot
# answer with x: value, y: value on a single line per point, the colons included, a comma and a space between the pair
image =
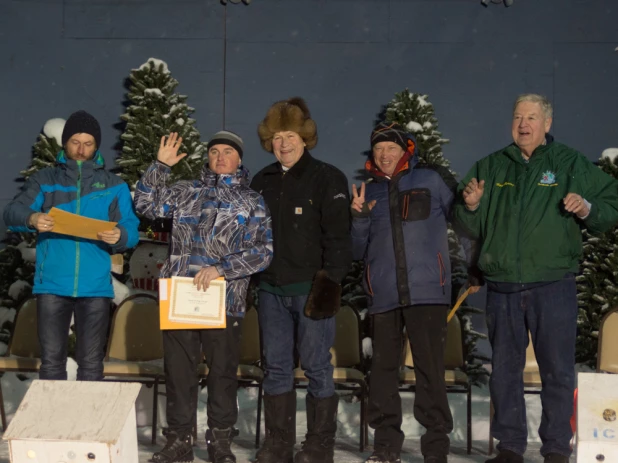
x: 218, y: 442
x: 179, y: 448
x: 280, y: 423
x: 319, y: 445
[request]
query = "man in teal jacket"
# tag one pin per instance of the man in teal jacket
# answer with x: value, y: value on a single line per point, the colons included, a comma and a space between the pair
x: 72, y: 275
x: 526, y: 204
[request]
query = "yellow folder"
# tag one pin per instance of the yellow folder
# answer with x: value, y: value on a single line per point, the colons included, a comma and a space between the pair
x: 165, y: 288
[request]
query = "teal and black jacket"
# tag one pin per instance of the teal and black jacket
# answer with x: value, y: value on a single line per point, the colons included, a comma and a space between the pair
x: 66, y: 265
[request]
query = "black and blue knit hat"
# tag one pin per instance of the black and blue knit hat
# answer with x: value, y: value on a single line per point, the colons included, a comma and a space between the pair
x: 389, y: 131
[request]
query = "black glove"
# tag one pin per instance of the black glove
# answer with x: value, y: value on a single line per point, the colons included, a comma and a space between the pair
x: 325, y: 297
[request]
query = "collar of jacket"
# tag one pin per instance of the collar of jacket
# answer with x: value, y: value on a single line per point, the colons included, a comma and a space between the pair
x: 407, y: 162
x: 514, y: 152
x: 210, y: 179
x: 97, y: 162
x: 297, y: 170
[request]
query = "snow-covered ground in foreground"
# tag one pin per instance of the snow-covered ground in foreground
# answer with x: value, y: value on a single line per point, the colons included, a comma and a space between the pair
x: 348, y: 430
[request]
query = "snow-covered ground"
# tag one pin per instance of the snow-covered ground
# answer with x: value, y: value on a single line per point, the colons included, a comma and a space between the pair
x: 348, y: 430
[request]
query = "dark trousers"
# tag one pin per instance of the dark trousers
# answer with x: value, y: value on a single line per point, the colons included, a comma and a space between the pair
x: 426, y: 328
x: 54, y: 315
x: 281, y: 317
x: 182, y: 352
x: 549, y: 312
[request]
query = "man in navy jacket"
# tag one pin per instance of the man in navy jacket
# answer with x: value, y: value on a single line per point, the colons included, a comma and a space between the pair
x: 400, y: 229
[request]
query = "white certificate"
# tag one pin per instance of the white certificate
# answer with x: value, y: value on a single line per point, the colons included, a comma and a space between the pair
x: 188, y: 305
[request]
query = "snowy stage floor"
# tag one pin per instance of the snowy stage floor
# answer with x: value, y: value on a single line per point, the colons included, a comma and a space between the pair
x: 348, y: 424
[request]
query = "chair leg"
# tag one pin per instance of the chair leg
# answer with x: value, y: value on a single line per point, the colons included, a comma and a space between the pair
x: 2, y: 412
x: 155, y: 408
x: 491, y: 417
x: 469, y: 418
x: 258, y: 423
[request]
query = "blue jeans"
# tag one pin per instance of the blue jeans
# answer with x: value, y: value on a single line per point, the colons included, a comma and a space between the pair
x: 549, y: 312
x: 91, y: 323
x: 282, y: 317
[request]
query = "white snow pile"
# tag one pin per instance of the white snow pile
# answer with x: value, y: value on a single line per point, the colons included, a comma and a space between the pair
x: 6, y: 315
x: 27, y: 253
x: 53, y: 129
x: 610, y: 153
x: 414, y: 127
x: 367, y: 348
x: 180, y: 121
x: 422, y: 101
x: 17, y: 288
x: 157, y: 62
x: 153, y: 91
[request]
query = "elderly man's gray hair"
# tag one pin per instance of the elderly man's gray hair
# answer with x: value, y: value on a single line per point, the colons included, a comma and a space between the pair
x: 535, y: 98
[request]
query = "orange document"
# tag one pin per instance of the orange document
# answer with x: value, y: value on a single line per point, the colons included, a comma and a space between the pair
x: 166, y: 293
x: 67, y: 223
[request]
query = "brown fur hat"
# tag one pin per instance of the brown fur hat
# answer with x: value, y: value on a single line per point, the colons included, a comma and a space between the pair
x: 288, y: 115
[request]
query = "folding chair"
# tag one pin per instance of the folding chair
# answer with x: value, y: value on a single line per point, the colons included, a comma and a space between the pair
x: 455, y: 375
x: 349, y: 372
x: 607, y: 354
x: 23, y: 352
x: 136, y: 339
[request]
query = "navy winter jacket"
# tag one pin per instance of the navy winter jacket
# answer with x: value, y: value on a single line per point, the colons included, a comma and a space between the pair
x: 403, y: 240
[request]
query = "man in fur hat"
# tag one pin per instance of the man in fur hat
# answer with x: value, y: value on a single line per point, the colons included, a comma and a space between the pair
x: 300, y: 291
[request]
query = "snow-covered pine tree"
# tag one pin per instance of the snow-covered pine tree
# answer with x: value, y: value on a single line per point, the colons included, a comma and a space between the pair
x: 45, y: 150
x: 154, y: 110
x: 597, y: 283
x: 416, y: 114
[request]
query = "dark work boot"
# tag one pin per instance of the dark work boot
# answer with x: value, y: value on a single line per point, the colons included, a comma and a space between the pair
x: 319, y: 445
x: 506, y: 456
x: 280, y: 423
x: 179, y: 448
x: 218, y: 442
x: 555, y: 458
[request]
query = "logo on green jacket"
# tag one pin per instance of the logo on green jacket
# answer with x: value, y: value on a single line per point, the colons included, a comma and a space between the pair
x: 98, y: 185
x: 548, y: 178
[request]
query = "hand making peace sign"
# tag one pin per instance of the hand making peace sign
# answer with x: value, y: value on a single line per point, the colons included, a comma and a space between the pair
x: 358, y: 199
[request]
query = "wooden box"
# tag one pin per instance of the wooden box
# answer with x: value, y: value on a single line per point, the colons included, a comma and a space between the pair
x: 597, y: 428
x: 75, y: 422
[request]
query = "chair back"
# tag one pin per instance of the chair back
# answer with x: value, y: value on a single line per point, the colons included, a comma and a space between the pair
x: 250, y: 341
x: 24, y: 339
x: 453, y: 349
x: 135, y: 335
x: 346, y: 349
x: 607, y: 355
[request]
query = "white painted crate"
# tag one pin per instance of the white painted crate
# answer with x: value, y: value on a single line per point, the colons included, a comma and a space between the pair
x: 75, y: 422
x: 597, y: 408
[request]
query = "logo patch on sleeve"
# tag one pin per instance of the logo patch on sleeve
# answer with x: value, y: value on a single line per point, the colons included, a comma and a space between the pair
x: 298, y: 210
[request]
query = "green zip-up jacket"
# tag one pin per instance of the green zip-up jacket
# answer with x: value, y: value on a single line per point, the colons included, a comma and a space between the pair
x: 526, y: 235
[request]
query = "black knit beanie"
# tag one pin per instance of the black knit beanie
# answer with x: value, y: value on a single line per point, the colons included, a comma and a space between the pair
x: 81, y: 122
x: 389, y: 131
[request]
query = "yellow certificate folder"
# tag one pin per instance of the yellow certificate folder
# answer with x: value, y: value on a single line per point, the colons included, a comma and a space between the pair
x: 176, y: 312
x: 67, y: 223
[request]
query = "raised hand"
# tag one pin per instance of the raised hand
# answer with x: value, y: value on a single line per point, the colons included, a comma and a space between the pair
x: 358, y: 199
x: 473, y: 193
x: 168, y: 150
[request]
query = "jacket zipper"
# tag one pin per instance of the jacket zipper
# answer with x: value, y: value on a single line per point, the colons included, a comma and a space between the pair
x: 78, y: 203
x: 442, y: 272
x: 368, y: 278
x: 279, y: 220
x: 520, y: 221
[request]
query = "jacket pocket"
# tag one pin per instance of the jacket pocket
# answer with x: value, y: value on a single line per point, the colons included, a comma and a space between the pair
x: 415, y: 204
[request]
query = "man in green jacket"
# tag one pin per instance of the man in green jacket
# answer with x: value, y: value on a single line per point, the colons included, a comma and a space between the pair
x: 526, y: 204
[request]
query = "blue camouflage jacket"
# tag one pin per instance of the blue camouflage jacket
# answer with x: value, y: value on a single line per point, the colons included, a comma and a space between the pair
x: 217, y: 221
x: 66, y: 265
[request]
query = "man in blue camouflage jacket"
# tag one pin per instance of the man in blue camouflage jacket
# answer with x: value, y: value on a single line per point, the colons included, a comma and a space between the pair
x: 72, y: 275
x: 220, y: 228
